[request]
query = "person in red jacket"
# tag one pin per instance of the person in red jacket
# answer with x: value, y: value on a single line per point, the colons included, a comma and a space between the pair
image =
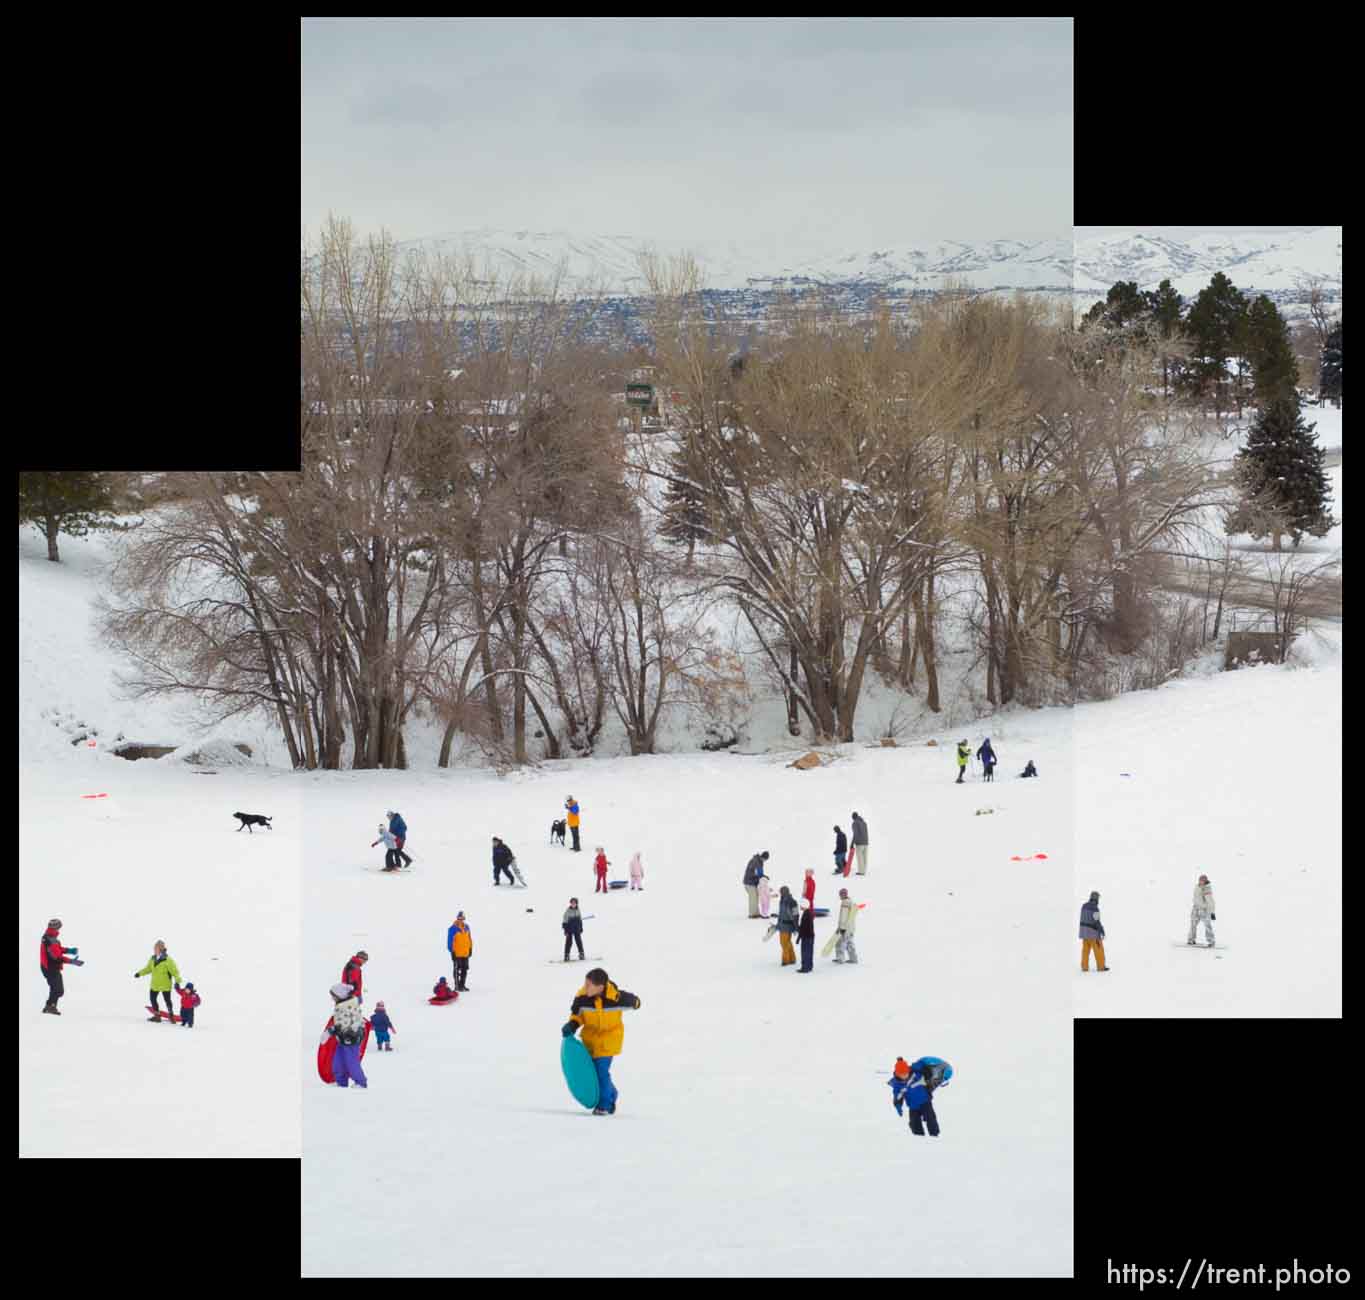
x: 600, y: 865
x: 351, y: 973
x: 189, y: 999
x: 808, y: 889
x: 51, y: 958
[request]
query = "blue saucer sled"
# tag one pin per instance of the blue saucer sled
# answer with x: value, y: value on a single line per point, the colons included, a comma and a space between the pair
x: 579, y: 1072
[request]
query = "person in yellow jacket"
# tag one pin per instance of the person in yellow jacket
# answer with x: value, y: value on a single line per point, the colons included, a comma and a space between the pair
x: 165, y: 975
x: 572, y: 805
x: 461, y: 944
x: 597, y: 1010
x: 964, y: 753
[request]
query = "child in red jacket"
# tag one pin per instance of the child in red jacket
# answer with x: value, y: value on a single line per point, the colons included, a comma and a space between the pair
x: 189, y: 999
x: 600, y: 865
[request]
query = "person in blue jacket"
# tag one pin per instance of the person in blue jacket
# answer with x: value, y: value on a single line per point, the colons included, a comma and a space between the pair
x: 383, y: 1027
x: 988, y: 760
x: 398, y: 828
x: 912, y: 1086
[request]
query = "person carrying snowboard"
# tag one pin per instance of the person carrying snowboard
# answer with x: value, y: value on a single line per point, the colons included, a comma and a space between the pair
x: 398, y: 828
x: 1029, y: 770
x: 637, y: 870
x: 348, y: 1028
x: 573, y: 929
x: 1202, y: 910
x: 860, y: 843
x: 600, y: 865
x: 460, y: 945
x: 383, y: 1027
x: 964, y: 753
x: 390, y: 842
x: 572, y: 805
x: 847, y: 923
x: 1092, y: 933
x: 840, y: 851
x: 988, y: 760
x: 165, y: 973
x: 597, y: 1009
x: 806, y: 933
x: 787, y: 922
x: 189, y: 999
x: 351, y: 974
x: 51, y: 958
x: 752, y: 874
x: 502, y: 861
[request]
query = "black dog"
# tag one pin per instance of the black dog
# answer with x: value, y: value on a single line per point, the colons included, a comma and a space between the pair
x: 557, y: 832
x: 249, y: 820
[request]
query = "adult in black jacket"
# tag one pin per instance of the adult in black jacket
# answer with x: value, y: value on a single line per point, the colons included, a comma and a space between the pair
x: 840, y: 851
x: 502, y: 861
x: 573, y: 928
x: 751, y: 877
x: 1030, y: 770
x: 806, y: 933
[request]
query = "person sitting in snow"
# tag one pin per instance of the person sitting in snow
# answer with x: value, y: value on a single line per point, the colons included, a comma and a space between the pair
x: 442, y: 991
x: 1030, y: 770
x: 189, y: 999
x: 383, y: 1027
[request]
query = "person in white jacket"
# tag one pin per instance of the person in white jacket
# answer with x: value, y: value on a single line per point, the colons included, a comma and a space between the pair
x: 1202, y: 910
x: 848, y: 920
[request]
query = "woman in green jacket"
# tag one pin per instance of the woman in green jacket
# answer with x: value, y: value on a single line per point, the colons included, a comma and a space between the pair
x: 964, y: 752
x: 164, y: 972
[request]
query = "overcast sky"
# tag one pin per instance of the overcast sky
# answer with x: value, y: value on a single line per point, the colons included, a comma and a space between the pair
x: 864, y: 133
x: 1184, y: 232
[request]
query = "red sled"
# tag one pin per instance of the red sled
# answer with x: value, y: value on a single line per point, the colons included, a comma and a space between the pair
x: 327, y: 1049
x: 164, y: 1015
x: 440, y: 1002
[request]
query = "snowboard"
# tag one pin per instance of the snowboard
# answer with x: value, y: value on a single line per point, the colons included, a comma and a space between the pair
x: 768, y: 934
x: 164, y: 1015
x: 617, y: 884
x: 441, y: 1002
x: 516, y: 873
x: 1218, y: 947
x: 559, y: 961
x: 327, y: 1049
x: 579, y: 1072
x: 829, y: 944
x: 821, y: 911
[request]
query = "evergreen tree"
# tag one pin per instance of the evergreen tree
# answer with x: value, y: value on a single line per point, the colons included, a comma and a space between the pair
x: 1164, y: 304
x: 72, y: 502
x: 1123, y: 306
x: 1281, y: 478
x: 684, y: 512
x: 1275, y: 373
x: 1213, y: 326
x: 1329, y: 383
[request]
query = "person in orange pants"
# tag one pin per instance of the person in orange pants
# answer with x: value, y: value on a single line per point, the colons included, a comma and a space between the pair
x: 1092, y: 933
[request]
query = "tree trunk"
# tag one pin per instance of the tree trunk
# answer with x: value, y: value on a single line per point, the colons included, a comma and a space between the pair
x: 793, y: 704
x: 924, y: 634
x: 51, y: 529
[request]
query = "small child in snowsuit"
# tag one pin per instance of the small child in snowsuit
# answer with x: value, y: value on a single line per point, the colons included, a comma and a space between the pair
x: 637, y: 871
x: 189, y: 999
x: 442, y: 991
x: 383, y: 1027
x: 600, y: 865
x: 390, y: 843
x: 1030, y: 770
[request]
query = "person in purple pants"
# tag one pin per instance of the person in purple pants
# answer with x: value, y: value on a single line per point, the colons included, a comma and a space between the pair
x: 348, y: 1026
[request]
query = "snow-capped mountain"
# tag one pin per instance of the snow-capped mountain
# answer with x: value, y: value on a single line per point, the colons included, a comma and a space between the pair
x: 611, y: 261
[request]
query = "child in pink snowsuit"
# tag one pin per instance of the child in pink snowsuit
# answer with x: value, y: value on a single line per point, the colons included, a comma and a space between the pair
x: 637, y: 872
x: 764, y: 895
x: 600, y: 865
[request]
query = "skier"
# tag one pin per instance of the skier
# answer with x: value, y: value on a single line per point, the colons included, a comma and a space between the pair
x: 848, y: 921
x: 502, y: 861
x: 351, y: 974
x: 806, y: 933
x: 1092, y: 933
x: 808, y: 887
x: 600, y: 865
x: 637, y: 871
x: 786, y: 924
x: 442, y: 991
x: 597, y: 1008
x: 460, y: 944
x: 390, y: 842
x: 860, y: 843
x: 51, y: 958
x: 164, y: 972
x: 1030, y: 770
x: 964, y: 752
x: 765, y: 896
x: 572, y: 805
x: 399, y: 829
x: 1202, y: 910
x: 840, y: 851
x: 348, y: 1028
x: 573, y: 929
x: 913, y: 1084
x: 383, y: 1027
x: 988, y: 760
x: 751, y: 877
x: 189, y: 999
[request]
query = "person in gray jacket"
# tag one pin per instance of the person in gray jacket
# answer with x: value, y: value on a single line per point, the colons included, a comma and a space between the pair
x: 787, y: 922
x: 751, y: 875
x: 573, y: 928
x: 860, y: 843
x: 1202, y: 910
x: 1092, y: 933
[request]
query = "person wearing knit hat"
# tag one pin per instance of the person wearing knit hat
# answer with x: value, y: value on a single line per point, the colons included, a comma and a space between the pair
x: 348, y: 1028
x: 912, y: 1085
x: 51, y: 958
x: 1202, y: 910
x: 442, y: 992
x: 460, y: 945
x: 808, y: 887
x: 573, y: 819
x: 806, y: 933
x: 787, y: 924
x: 351, y: 974
x: 752, y: 873
x: 964, y: 753
x: 1092, y: 933
x: 840, y: 850
x: 189, y: 999
x: 847, y: 922
x: 383, y: 1027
